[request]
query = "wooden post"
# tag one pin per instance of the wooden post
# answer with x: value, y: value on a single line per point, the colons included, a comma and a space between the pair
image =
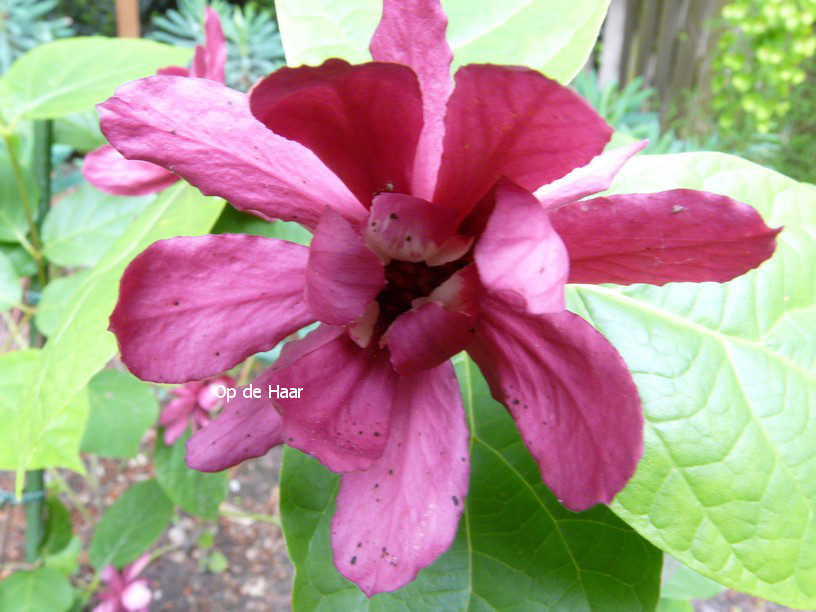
x: 127, y: 18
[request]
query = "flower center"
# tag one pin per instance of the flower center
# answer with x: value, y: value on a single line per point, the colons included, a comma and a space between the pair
x: 407, y: 281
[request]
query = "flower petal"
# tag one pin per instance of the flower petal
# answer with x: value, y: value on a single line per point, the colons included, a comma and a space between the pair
x: 399, y: 515
x: 130, y: 571
x: 343, y: 275
x: 174, y: 71
x: 178, y: 408
x: 513, y: 122
x: 247, y: 428
x: 573, y: 399
x: 107, y: 170
x: 192, y: 307
x: 215, y: 47
x: 175, y: 429
x: 205, y: 133
x: 363, y: 121
x: 588, y: 180
x: 519, y: 256
x: 137, y: 596
x: 407, y: 228
x: 342, y: 414
x: 412, y: 32
x: 426, y: 336
x: 672, y: 236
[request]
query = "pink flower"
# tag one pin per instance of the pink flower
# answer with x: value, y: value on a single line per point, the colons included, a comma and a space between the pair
x: 125, y: 593
x: 428, y: 241
x: 108, y: 171
x: 193, y: 401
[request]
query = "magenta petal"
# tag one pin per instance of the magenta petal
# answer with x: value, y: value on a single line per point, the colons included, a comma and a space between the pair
x: 246, y: 428
x: 519, y: 256
x: 108, y: 171
x: 407, y: 228
x: 513, y: 122
x: 136, y: 596
x: 130, y: 571
x: 343, y: 275
x: 215, y: 47
x: 593, y: 178
x: 412, y: 32
x: 192, y: 307
x: 363, y: 121
x: 571, y: 394
x: 205, y: 133
x: 671, y: 236
x: 174, y: 71
x: 399, y: 515
x: 178, y: 408
x: 426, y: 336
x: 342, y: 414
x: 175, y: 429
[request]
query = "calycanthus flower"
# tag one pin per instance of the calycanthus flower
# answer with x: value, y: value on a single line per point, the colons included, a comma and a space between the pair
x: 125, y: 591
x: 107, y: 170
x: 193, y: 403
x: 444, y: 220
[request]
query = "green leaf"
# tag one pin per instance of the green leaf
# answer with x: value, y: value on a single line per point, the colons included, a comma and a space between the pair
x: 130, y: 525
x: 80, y: 131
x: 59, y: 438
x: 517, y: 547
x: 11, y: 292
x: 122, y: 409
x: 35, y: 591
x: 196, y: 492
x: 553, y: 36
x: 682, y: 582
x: 234, y: 221
x: 674, y: 605
x: 66, y: 561
x: 22, y: 261
x: 81, y: 345
x: 58, y: 529
x: 727, y: 375
x: 84, y: 224
x: 13, y: 224
x: 71, y: 75
x: 55, y: 299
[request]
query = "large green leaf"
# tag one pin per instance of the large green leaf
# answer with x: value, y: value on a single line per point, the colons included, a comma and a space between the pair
x: 122, y: 409
x: 727, y: 374
x: 81, y: 344
x: 517, y: 547
x: 54, y: 299
x: 130, y: 525
x: 81, y: 227
x: 196, y: 492
x: 60, y: 435
x: 11, y: 292
x: 553, y: 36
x: 35, y: 591
x: 80, y: 131
x: 70, y: 75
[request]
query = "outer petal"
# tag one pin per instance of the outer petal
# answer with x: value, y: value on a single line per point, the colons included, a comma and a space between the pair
x: 215, y: 46
x: 399, y: 515
x: 174, y: 71
x: 108, y: 171
x: 572, y: 397
x: 343, y: 275
x: 519, y: 256
x: 205, y: 133
x: 671, y: 236
x: 175, y: 429
x: 363, y: 121
x: 132, y: 570
x: 513, y: 122
x: 247, y: 428
x: 178, y: 408
x: 407, y: 228
x: 343, y: 412
x: 412, y: 32
x: 593, y: 178
x: 193, y: 307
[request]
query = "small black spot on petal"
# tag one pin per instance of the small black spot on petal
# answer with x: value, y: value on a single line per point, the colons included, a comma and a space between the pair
x: 455, y: 500
x: 353, y: 560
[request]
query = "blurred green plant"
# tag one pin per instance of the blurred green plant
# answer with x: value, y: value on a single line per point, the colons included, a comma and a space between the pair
x: 796, y: 158
x: 759, y: 61
x: 24, y: 24
x: 253, y: 41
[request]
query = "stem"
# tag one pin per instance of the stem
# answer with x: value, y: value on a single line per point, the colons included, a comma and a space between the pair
x: 64, y: 487
x: 263, y: 518
x: 35, y: 479
x: 24, y: 198
x: 35, y: 525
